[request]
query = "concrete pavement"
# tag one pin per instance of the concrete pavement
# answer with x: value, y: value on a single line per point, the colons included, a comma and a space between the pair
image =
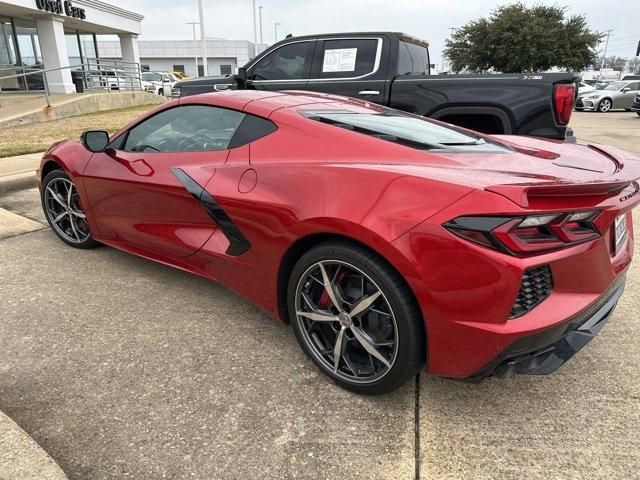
x: 19, y: 172
x: 21, y: 458
x: 117, y: 366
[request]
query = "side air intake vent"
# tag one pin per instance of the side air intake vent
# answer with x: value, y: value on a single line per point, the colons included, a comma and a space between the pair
x: 536, y: 285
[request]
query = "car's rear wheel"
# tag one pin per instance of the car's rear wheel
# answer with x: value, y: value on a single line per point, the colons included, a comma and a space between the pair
x: 355, y: 317
x: 638, y: 113
x: 604, y: 105
x: 63, y: 210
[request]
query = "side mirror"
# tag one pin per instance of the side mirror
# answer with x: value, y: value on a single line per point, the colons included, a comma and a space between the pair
x: 95, y: 140
x: 626, y: 89
x: 242, y: 74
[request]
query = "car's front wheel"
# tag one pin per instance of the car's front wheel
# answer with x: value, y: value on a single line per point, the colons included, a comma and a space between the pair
x: 356, y: 318
x: 63, y: 210
x: 604, y: 105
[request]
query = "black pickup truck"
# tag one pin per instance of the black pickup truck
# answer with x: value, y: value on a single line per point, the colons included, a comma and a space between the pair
x: 393, y: 69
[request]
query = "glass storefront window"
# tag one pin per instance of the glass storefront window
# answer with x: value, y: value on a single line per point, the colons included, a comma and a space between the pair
x: 28, y: 43
x: 7, y: 51
x: 9, y: 59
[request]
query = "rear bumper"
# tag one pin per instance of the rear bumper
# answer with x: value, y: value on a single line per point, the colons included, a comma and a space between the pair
x: 546, y: 351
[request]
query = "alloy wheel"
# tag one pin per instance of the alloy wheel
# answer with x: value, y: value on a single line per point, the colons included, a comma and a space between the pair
x: 605, y: 105
x: 346, y: 321
x: 63, y: 208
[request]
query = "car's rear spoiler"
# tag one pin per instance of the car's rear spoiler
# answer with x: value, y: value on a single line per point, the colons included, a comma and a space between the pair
x: 626, y: 175
x: 524, y: 195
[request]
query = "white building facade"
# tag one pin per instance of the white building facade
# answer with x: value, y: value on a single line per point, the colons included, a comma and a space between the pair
x: 50, y: 34
x: 223, y: 56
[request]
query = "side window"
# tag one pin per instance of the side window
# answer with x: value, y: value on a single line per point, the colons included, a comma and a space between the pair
x: 285, y: 63
x: 420, y: 57
x: 405, y: 64
x: 347, y: 58
x: 184, y: 129
x: 251, y: 129
x: 635, y: 86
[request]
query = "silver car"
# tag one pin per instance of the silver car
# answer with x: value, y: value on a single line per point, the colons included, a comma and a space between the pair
x: 614, y: 95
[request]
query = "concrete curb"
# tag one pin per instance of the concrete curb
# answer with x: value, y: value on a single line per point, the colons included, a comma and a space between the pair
x: 18, y: 181
x: 21, y: 458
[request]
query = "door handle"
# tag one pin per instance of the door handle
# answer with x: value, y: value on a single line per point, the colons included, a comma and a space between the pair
x: 368, y: 92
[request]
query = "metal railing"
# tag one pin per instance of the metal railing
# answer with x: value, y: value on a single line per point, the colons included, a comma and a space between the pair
x: 93, y: 75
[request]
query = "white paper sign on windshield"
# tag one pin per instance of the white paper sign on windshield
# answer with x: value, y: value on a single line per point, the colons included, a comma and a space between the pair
x: 340, y: 60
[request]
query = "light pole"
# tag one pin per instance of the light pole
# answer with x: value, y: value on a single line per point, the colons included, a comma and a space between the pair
x: 604, y: 57
x: 195, y: 56
x: 275, y: 32
x: 205, y: 61
x: 260, y: 22
x: 255, y: 28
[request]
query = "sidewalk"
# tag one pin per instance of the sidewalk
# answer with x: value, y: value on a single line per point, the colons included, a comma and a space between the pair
x: 17, y: 173
x: 21, y: 458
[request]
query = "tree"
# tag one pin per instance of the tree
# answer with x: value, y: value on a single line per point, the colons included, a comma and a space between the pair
x: 616, y: 63
x: 518, y: 38
x: 634, y: 65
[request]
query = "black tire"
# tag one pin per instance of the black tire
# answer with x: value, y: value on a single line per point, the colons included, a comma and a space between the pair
x: 638, y: 113
x: 602, y: 106
x: 53, y: 177
x: 410, y: 337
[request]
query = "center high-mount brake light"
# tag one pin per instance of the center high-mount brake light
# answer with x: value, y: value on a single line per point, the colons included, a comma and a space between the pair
x: 563, y: 96
x: 527, y: 234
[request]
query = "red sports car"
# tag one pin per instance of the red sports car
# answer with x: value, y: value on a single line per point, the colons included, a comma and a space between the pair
x: 385, y: 239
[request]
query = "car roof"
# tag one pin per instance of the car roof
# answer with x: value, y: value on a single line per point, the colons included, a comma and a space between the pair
x: 264, y: 103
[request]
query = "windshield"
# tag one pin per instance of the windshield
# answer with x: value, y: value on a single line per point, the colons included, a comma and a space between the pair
x: 408, y: 130
x: 615, y: 86
x: 151, y: 77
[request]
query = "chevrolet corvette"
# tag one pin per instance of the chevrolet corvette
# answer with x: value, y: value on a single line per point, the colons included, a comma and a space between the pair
x: 389, y: 242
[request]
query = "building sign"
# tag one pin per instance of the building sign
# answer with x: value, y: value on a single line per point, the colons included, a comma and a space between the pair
x: 60, y: 7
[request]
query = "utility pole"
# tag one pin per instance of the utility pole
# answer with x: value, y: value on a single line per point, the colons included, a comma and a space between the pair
x: 604, y: 57
x: 275, y: 32
x: 260, y: 22
x: 195, y: 56
x: 255, y: 28
x: 205, y: 61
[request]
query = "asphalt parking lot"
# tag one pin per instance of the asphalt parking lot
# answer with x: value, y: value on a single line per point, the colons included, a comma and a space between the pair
x: 122, y: 368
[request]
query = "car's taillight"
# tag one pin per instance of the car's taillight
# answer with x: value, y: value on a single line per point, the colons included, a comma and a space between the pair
x: 563, y: 96
x: 529, y: 234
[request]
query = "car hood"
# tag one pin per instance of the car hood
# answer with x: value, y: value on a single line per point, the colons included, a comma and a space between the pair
x: 601, y: 93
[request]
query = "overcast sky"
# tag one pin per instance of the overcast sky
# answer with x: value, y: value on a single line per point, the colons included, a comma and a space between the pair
x: 430, y: 20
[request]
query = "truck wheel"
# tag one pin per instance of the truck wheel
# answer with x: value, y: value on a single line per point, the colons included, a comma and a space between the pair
x: 604, y: 105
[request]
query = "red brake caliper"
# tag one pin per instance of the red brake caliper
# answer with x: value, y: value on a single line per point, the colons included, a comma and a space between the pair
x: 324, y: 302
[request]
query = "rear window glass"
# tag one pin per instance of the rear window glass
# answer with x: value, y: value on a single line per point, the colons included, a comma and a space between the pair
x: 408, y: 130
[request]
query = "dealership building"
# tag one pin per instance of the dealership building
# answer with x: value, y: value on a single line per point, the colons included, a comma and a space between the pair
x: 223, y: 56
x: 50, y: 34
